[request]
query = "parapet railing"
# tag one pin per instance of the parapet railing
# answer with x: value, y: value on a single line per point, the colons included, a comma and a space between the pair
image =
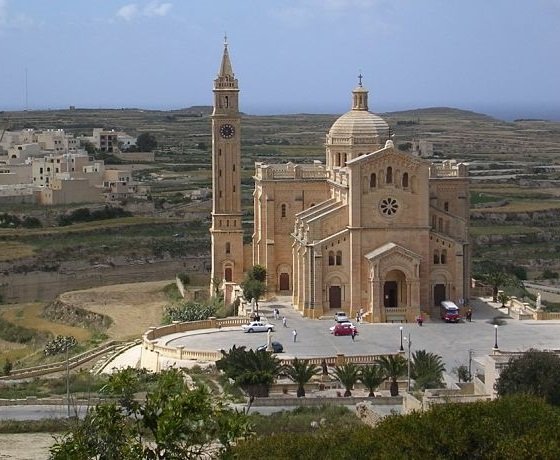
x: 150, y: 344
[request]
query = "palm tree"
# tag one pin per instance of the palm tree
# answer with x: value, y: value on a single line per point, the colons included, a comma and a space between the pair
x: 371, y: 376
x: 497, y: 279
x: 503, y: 298
x: 348, y: 375
x: 301, y: 372
x: 393, y: 367
x: 254, y: 371
x: 427, y: 370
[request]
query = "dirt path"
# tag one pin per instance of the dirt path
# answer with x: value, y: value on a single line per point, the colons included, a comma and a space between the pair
x: 133, y: 307
x: 25, y: 446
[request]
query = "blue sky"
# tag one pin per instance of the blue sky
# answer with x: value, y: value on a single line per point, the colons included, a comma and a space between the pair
x: 500, y: 57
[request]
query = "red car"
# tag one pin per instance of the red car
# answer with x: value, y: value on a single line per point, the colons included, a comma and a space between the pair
x: 344, y: 329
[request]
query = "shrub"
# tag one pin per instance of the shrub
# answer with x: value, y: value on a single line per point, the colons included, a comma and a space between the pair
x: 59, y: 345
x: 188, y: 311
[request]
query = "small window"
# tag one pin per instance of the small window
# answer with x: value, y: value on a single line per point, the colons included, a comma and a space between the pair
x: 233, y: 167
x: 443, y: 259
x: 338, y: 257
x: 389, y: 175
x: 372, y: 180
x: 446, y: 206
x: 228, y: 248
x: 220, y: 194
x: 234, y: 189
x: 436, y: 257
x: 331, y: 258
x: 338, y: 159
x: 434, y: 222
x: 220, y: 173
x: 405, y: 180
x: 283, y: 210
x: 440, y: 224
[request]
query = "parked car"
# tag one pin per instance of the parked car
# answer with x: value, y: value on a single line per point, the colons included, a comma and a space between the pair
x: 341, y: 317
x: 276, y: 347
x: 257, y: 326
x: 343, y: 322
x: 345, y: 328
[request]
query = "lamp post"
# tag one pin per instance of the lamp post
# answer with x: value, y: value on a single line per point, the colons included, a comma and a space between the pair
x: 408, y: 367
x: 495, y: 336
x: 401, y: 349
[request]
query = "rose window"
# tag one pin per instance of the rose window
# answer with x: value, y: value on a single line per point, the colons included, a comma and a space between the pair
x: 389, y: 206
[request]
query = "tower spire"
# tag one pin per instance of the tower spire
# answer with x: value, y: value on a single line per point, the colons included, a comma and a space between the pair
x: 360, y: 96
x: 226, y: 69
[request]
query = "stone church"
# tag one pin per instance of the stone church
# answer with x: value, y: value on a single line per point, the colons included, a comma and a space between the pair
x: 372, y: 228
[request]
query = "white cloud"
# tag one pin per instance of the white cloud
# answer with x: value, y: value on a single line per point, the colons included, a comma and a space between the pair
x: 15, y: 21
x: 157, y: 9
x: 128, y: 12
x: 3, y: 12
x: 134, y: 10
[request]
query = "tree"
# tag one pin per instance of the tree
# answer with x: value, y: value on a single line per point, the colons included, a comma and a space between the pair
x: 258, y: 272
x: 393, y: 367
x: 497, y: 279
x: 8, y: 366
x: 427, y: 370
x: 348, y: 374
x: 534, y: 372
x: 371, y: 376
x: 463, y: 373
x: 517, y: 428
x: 253, y: 371
x: 146, y: 142
x: 254, y: 284
x: 174, y: 422
x: 301, y: 372
x: 503, y: 298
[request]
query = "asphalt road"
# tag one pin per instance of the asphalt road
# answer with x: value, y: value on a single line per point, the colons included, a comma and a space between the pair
x: 451, y: 341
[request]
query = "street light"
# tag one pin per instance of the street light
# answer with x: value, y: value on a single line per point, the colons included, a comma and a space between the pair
x: 401, y: 349
x: 408, y: 370
x: 495, y: 336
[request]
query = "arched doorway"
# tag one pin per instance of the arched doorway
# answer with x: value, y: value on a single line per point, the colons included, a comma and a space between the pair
x: 335, y: 297
x: 228, y: 274
x: 284, y: 284
x: 390, y: 294
x: 439, y: 294
x: 394, y: 289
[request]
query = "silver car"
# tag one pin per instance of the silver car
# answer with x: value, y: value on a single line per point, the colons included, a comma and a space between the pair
x: 257, y: 326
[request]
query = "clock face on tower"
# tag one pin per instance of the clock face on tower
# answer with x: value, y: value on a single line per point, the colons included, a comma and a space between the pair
x: 227, y: 131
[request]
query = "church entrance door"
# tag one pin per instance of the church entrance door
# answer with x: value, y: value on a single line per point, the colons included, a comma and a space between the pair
x: 284, y: 282
x: 390, y: 294
x: 335, y: 297
x: 439, y: 294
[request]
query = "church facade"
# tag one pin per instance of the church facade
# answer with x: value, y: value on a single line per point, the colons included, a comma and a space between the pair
x: 372, y: 229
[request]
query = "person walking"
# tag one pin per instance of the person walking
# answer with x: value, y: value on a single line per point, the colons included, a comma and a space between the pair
x: 294, y: 333
x: 353, y: 334
x: 469, y: 315
x: 284, y: 321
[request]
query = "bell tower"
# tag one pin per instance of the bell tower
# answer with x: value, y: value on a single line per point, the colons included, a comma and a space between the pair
x: 226, y: 231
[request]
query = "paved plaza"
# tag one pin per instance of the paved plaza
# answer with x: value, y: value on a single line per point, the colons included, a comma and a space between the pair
x: 451, y: 341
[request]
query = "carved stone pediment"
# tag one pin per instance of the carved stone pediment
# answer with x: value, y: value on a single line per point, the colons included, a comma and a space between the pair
x: 392, y: 256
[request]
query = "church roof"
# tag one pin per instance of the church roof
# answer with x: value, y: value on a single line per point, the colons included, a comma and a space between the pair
x: 359, y: 124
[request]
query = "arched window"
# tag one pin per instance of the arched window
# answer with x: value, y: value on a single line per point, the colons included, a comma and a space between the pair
x: 331, y: 258
x: 228, y: 274
x: 436, y: 257
x: 233, y: 167
x: 228, y: 248
x: 338, y: 257
x: 283, y: 210
x: 405, y: 180
x: 345, y: 159
x: 434, y: 222
x: 372, y: 180
x: 443, y: 256
x: 389, y: 176
x: 338, y: 159
x: 446, y: 206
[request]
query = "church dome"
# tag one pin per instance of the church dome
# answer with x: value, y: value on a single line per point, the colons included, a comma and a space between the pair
x: 359, y: 126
